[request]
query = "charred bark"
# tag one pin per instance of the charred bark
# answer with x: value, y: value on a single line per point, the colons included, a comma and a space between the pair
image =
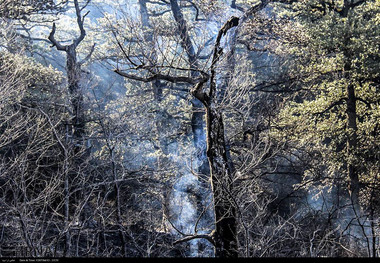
x: 73, y: 76
x: 225, y: 210
x: 73, y: 69
x: 198, y: 114
x: 225, y: 236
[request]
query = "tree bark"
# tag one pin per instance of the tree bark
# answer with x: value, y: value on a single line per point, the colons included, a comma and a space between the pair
x: 225, y: 210
x: 197, y: 118
x: 73, y: 75
x: 352, y: 137
x: 73, y: 68
x: 225, y: 236
x: 351, y: 145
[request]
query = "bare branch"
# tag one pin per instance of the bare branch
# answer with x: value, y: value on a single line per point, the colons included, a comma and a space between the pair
x: 85, y: 5
x: 89, y: 55
x: 333, y: 105
x: 158, y: 76
x: 80, y: 21
x: 188, y: 238
x: 54, y: 41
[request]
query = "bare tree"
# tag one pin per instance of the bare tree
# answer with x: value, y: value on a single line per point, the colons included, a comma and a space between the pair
x: 73, y: 68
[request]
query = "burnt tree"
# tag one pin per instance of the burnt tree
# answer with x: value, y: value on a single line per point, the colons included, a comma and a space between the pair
x: 224, y: 237
x: 73, y: 69
x: 77, y: 122
x: 197, y: 117
x: 207, y: 91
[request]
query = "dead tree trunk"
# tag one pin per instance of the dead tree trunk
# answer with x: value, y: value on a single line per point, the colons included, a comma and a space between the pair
x: 197, y: 117
x: 73, y: 76
x: 225, y: 236
x: 73, y: 69
x: 225, y: 210
x: 225, y: 239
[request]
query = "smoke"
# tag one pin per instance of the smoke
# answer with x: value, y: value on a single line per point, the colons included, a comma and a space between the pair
x: 336, y: 205
x: 190, y: 208
x: 192, y: 201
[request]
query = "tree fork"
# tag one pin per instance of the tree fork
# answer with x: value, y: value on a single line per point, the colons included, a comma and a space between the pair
x: 225, y: 236
x: 73, y: 68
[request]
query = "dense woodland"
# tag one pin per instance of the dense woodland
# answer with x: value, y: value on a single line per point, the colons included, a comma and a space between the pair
x: 189, y: 128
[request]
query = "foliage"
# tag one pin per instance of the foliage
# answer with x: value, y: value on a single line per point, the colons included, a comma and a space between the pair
x: 316, y: 120
x: 282, y: 136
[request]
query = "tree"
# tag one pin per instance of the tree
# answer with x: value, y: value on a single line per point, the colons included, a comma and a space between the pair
x: 73, y: 68
x: 224, y: 238
x: 22, y: 9
x: 29, y: 150
x: 231, y: 128
x: 335, y: 112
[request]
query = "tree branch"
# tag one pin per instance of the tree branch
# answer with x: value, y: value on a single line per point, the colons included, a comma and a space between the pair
x: 80, y: 21
x: 54, y: 41
x: 188, y: 238
x: 336, y: 103
x: 89, y: 55
x: 158, y: 76
x: 198, y: 92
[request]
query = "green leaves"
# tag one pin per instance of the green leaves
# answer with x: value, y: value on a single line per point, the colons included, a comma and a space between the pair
x: 341, y: 51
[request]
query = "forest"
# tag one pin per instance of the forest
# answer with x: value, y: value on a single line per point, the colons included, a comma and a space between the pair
x: 189, y: 128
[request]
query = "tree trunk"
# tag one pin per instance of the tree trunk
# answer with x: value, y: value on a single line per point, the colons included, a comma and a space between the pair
x: 225, y: 210
x: 351, y: 114
x: 73, y: 69
x: 351, y: 146
x: 352, y: 137
x: 73, y: 76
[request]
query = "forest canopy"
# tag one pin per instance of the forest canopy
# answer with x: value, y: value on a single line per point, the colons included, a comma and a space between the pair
x: 189, y: 128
